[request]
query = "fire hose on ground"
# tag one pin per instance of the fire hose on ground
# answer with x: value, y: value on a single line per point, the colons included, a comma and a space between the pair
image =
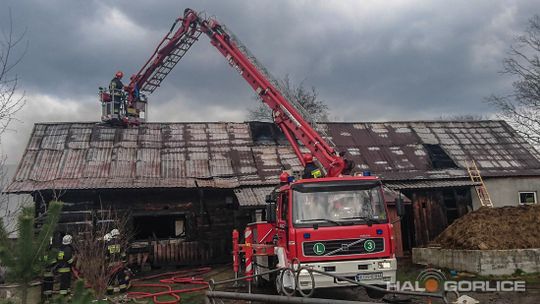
x: 167, y: 285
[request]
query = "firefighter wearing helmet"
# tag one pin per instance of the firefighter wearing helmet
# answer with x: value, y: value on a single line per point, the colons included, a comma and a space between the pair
x: 117, y: 259
x: 116, y: 88
x: 311, y: 170
x: 65, y: 258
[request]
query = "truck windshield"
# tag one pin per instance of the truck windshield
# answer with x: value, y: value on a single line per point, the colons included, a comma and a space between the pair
x: 338, y: 205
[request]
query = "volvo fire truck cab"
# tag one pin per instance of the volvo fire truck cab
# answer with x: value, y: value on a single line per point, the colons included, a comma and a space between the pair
x: 338, y: 225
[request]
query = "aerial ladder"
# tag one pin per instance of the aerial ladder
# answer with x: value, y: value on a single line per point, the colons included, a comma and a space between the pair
x: 289, y: 115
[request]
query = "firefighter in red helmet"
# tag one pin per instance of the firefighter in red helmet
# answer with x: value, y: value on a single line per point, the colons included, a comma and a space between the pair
x: 311, y: 170
x: 116, y: 88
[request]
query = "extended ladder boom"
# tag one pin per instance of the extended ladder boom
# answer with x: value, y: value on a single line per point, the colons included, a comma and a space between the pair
x: 165, y: 57
x: 286, y: 114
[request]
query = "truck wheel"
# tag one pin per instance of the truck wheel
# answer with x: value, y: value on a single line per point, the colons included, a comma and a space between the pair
x: 277, y: 284
x: 375, y: 294
x: 287, y: 275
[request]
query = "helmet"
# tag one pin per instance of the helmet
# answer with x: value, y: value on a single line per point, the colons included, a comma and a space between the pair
x: 115, y: 232
x: 119, y: 74
x: 284, y: 177
x: 66, y: 240
x: 107, y: 237
x: 308, y: 158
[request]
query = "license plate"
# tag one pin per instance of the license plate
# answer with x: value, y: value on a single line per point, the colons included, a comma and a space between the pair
x: 369, y: 276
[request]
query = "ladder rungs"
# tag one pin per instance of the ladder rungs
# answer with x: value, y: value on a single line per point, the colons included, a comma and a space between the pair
x: 481, y: 191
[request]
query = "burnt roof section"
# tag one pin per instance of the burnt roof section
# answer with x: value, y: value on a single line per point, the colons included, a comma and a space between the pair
x: 225, y: 155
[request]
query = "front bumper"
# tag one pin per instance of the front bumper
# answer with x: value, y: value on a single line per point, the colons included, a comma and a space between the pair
x: 350, y: 270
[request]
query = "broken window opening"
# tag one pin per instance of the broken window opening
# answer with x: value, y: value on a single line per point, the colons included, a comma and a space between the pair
x: 438, y: 157
x: 160, y: 226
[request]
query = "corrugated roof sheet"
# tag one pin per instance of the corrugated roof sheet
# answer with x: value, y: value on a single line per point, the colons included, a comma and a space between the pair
x: 424, y: 184
x: 253, y: 196
x: 229, y: 155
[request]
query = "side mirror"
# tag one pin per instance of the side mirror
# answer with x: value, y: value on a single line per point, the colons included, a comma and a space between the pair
x: 271, y: 204
x: 400, y: 209
x: 271, y: 211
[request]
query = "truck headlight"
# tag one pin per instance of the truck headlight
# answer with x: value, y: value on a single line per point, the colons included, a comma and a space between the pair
x: 385, y: 265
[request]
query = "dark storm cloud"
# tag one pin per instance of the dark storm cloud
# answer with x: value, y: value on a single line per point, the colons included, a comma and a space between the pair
x: 370, y: 60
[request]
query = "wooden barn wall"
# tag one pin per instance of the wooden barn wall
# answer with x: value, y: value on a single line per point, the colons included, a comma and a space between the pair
x: 435, y: 209
x: 210, y: 216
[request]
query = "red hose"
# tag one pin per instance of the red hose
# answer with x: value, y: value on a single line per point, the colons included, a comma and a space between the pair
x: 178, y: 277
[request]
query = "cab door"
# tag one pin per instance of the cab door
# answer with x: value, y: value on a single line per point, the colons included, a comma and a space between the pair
x: 282, y: 219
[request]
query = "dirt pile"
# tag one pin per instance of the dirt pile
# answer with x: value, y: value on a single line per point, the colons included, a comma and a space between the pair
x: 494, y: 228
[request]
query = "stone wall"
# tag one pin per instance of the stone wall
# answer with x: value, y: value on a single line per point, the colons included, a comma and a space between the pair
x: 483, y: 262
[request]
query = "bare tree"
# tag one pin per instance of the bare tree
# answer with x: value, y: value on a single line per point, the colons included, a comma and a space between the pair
x: 12, y: 50
x: 522, y: 108
x: 96, y: 267
x: 307, y: 98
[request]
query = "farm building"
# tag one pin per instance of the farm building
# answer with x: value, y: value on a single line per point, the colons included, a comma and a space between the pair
x: 185, y: 186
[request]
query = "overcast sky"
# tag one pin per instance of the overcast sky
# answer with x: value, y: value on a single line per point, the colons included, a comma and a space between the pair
x: 370, y: 60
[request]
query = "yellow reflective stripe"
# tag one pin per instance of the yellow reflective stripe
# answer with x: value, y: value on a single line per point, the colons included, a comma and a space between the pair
x: 64, y: 269
x: 113, y: 248
x: 60, y: 255
x: 316, y: 173
x: 70, y: 261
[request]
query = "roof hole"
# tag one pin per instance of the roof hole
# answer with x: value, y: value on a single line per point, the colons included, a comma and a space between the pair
x: 438, y: 157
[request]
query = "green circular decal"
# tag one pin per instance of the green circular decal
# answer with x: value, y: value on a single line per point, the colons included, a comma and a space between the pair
x: 319, y: 248
x: 369, y: 245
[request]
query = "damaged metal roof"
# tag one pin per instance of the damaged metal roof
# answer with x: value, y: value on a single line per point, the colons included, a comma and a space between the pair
x: 252, y: 196
x: 232, y: 155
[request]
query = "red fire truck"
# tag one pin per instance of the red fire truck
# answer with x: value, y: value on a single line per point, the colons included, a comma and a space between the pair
x: 336, y: 224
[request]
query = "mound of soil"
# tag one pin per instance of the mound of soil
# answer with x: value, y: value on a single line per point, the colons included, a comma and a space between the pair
x: 494, y: 228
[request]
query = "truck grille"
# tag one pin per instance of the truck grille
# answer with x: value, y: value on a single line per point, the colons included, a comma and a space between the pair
x: 330, y: 248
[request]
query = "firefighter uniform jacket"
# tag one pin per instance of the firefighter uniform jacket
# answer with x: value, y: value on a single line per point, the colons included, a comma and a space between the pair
x: 116, y: 86
x: 65, y: 258
x: 311, y: 171
x: 114, y: 251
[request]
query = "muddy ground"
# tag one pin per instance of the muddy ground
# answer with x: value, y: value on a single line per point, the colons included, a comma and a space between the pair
x: 407, y: 271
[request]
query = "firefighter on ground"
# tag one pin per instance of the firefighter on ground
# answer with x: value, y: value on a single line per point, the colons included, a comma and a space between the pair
x: 311, y: 170
x: 50, y: 261
x: 116, y: 256
x: 65, y: 257
x: 116, y: 88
